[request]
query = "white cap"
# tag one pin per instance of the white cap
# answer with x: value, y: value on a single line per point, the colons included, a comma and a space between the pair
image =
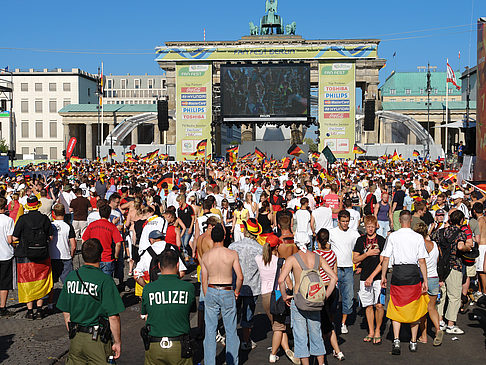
x: 299, y: 192
x: 457, y: 195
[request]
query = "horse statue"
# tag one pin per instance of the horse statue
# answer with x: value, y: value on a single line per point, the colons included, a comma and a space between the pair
x: 253, y: 29
x: 291, y: 28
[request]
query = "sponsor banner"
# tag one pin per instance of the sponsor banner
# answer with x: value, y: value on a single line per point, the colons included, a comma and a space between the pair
x: 4, y: 114
x: 239, y: 52
x: 337, y: 105
x: 480, y: 167
x: 193, y: 108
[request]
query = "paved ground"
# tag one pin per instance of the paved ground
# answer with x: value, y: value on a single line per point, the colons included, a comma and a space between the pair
x: 45, y: 341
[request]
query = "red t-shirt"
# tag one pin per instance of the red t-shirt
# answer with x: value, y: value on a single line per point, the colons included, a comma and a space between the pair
x: 108, y: 235
x: 170, y: 235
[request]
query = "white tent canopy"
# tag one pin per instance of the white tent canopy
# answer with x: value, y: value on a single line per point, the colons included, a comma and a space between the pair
x: 458, y: 124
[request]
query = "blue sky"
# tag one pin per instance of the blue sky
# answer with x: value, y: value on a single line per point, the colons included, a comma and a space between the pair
x: 121, y: 26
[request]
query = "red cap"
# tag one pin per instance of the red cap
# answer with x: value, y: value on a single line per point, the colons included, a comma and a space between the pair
x: 273, y: 240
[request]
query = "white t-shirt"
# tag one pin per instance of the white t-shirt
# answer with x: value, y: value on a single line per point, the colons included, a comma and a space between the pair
x: 405, y: 247
x: 354, y: 219
x: 93, y: 216
x: 302, y: 217
x: 172, y: 200
x: 294, y: 203
x: 144, y: 264
x: 6, y: 229
x: 152, y: 224
x: 59, y: 247
x: 323, y: 218
x: 201, y: 221
x: 342, y: 243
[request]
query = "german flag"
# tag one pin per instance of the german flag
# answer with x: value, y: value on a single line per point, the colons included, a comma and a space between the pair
x: 358, y: 150
x: 113, y: 154
x: 168, y: 178
x: 233, y: 153
x: 415, y: 153
x: 316, y: 155
x: 153, y: 155
x: 259, y: 154
x: 395, y: 156
x: 285, y: 162
x: 201, y: 147
x: 407, y: 302
x: 34, y: 279
x: 163, y: 156
x: 75, y: 159
x: 295, y: 150
x: 130, y: 159
x: 246, y: 157
x: 105, y: 158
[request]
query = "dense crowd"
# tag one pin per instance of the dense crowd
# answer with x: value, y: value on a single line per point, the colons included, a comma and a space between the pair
x: 294, y: 237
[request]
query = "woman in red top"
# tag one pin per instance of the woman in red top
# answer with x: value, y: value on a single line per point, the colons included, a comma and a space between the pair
x: 173, y: 234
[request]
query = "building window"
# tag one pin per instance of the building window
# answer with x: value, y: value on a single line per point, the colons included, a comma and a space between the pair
x: 108, y: 93
x: 38, y: 86
x: 53, y: 129
x: 24, y: 106
x: 39, y: 150
x: 392, y: 91
x: 421, y: 91
x: 38, y: 106
x: 408, y: 91
x: 66, y: 86
x: 436, y: 91
x: 25, y: 150
x: 404, y: 99
x: 150, y: 84
x: 66, y: 102
x: 114, y: 93
x: 123, y: 84
x: 89, y: 91
x: 52, y: 86
x: 53, y: 153
x: 52, y: 106
x: 109, y: 84
x: 24, y: 86
x: 24, y: 130
x: 137, y: 83
x: 392, y: 99
x: 451, y: 91
x: 38, y: 129
x: 164, y: 86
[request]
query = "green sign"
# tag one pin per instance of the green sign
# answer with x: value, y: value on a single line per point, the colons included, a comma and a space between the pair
x: 337, y: 88
x: 284, y: 52
x: 193, y: 109
x: 4, y: 114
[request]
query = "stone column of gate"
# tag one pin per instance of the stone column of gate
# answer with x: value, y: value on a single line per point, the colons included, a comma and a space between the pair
x: 135, y: 135
x: 246, y: 132
x: 156, y: 134
x: 296, y: 134
x: 89, y: 141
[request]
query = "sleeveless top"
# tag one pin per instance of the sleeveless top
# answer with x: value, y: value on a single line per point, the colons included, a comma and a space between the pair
x: 265, y: 223
x: 383, y: 212
x: 431, y: 262
x: 170, y: 235
x: 250, y: 211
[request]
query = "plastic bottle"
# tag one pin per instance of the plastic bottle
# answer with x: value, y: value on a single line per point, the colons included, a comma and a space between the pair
x: 111, y: 360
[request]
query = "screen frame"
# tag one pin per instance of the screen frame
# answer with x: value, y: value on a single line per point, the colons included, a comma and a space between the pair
x: 266, y: 117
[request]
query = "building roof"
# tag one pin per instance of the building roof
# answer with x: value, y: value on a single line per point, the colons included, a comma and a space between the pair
x: 420, y: 105
x: 416, y: 82
x: 110, y: 108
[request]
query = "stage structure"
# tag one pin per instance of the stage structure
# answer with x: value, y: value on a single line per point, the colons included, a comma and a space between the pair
x: 268, y: 79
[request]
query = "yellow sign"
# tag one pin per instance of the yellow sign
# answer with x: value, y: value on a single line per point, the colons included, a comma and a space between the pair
x: 193, y: 109
x: 337, y: 103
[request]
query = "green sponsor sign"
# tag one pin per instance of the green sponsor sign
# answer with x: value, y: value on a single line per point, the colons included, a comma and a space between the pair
x: 4, y: 114
x: 193, y: 108
x: 242, y: 52
x: 337, y: 88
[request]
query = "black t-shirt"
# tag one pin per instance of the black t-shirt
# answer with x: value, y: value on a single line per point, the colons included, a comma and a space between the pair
x: 428, y: 218
x: 24, y: 226
x: 398, y: 198
x: 369, y: 264
x: 186, y: 215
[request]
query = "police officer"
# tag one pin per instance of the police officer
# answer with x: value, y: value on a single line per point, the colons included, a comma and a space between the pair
x: 91, y: 305
x: 167, y: 302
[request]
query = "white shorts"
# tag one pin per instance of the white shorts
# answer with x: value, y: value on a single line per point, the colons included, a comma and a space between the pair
x: 370, y: 295
x: 480, y: 259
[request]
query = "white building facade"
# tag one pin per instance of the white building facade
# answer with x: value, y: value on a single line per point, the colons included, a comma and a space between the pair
x: 134, y: 89
x: 38, y: 95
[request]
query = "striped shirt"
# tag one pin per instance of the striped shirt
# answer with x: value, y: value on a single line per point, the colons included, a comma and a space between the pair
x: 330, y: 257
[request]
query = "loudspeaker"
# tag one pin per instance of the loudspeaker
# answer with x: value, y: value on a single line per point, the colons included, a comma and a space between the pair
x: 470, y: 141
x: 369, y: 116
x: 163, y: 115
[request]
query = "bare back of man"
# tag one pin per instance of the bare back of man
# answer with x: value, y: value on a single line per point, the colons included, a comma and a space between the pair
x: 219, y: 262
x: 204, y: 244
x: 482, y: 230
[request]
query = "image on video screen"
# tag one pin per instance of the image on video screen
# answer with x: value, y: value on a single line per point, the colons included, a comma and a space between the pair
x: 265, y: 90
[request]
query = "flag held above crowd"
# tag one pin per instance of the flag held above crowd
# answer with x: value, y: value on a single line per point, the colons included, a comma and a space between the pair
x: 358, y: 150
x: 295, y: 150
x: 329, y: 155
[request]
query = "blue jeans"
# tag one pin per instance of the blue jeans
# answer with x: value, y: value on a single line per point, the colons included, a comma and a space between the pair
x: 346, y: 288
x: 108, y: 267
x: 247, y: 312
x: 215, y: 302
x: 306, y: 328
x: 186, y: 237
x: 383, y: 229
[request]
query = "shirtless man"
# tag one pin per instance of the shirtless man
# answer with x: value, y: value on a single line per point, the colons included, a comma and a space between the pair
x: 481, y: 261
x: 217, y: 268
x: 306, y: 325
x: 287, y: 248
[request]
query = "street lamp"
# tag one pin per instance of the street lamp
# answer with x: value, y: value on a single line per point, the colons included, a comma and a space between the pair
x: 429, y: 89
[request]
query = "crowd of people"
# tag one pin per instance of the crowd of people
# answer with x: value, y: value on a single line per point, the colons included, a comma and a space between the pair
x: 295, y: 237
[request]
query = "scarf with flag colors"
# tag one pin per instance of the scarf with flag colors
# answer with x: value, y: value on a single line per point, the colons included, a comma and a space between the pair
x: 34, y: 279
x: 295, y: 150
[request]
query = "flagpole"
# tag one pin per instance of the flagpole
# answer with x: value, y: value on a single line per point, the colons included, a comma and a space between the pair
x: 205, y: 157
x: 447, y: 116
x: 101, y: 99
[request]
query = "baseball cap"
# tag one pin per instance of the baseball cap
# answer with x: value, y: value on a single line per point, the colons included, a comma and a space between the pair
x: 155, y: 234
x: 440, y: 213
x: 273, y: 240
x: 457, y: 195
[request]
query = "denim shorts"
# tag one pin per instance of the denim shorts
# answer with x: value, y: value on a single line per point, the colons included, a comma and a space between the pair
x: 433, y: 286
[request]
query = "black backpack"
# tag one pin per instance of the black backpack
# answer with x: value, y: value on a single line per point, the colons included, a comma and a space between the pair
x: 154, y: 263
x: 370, y: 204
x: 443, y: 266
x: 34, y: 240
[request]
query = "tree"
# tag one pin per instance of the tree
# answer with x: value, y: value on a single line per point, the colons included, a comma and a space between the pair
x: 312, y: 145
x: 3, y: 145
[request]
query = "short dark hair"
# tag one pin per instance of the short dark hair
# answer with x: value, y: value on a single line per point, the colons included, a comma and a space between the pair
x: 3, y: 203
x: 217, y: 234
x: 304, y: 201
x: 456, y: 218
x: 323, y: 236
x: 344, y: 214
x: 59, y: 210
x: 168, y: 259
x: 476, y: 208
x: 105, y: 211
x: 207, y: 204
x: 113, y: 197
x: 92, y: 250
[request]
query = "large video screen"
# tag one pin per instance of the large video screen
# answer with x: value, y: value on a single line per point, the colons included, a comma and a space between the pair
x: 265, y: 90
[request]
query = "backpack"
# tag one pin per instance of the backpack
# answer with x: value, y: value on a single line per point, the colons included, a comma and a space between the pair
x: 154, y: 263
x: 35, y: 241
x: 469, y: 258
x: 443, y: 267
x: 312, y: 292
x: 370, y: 204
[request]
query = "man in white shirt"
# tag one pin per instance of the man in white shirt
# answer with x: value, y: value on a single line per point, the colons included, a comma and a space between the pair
x: 6, y: 258
x: 305, y: 221
x: 408, y: 302
x: 323, y: 218
x: 354, y: 216
x: 154, y: 223
x: 172, y: 198
x: 342, y: 241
